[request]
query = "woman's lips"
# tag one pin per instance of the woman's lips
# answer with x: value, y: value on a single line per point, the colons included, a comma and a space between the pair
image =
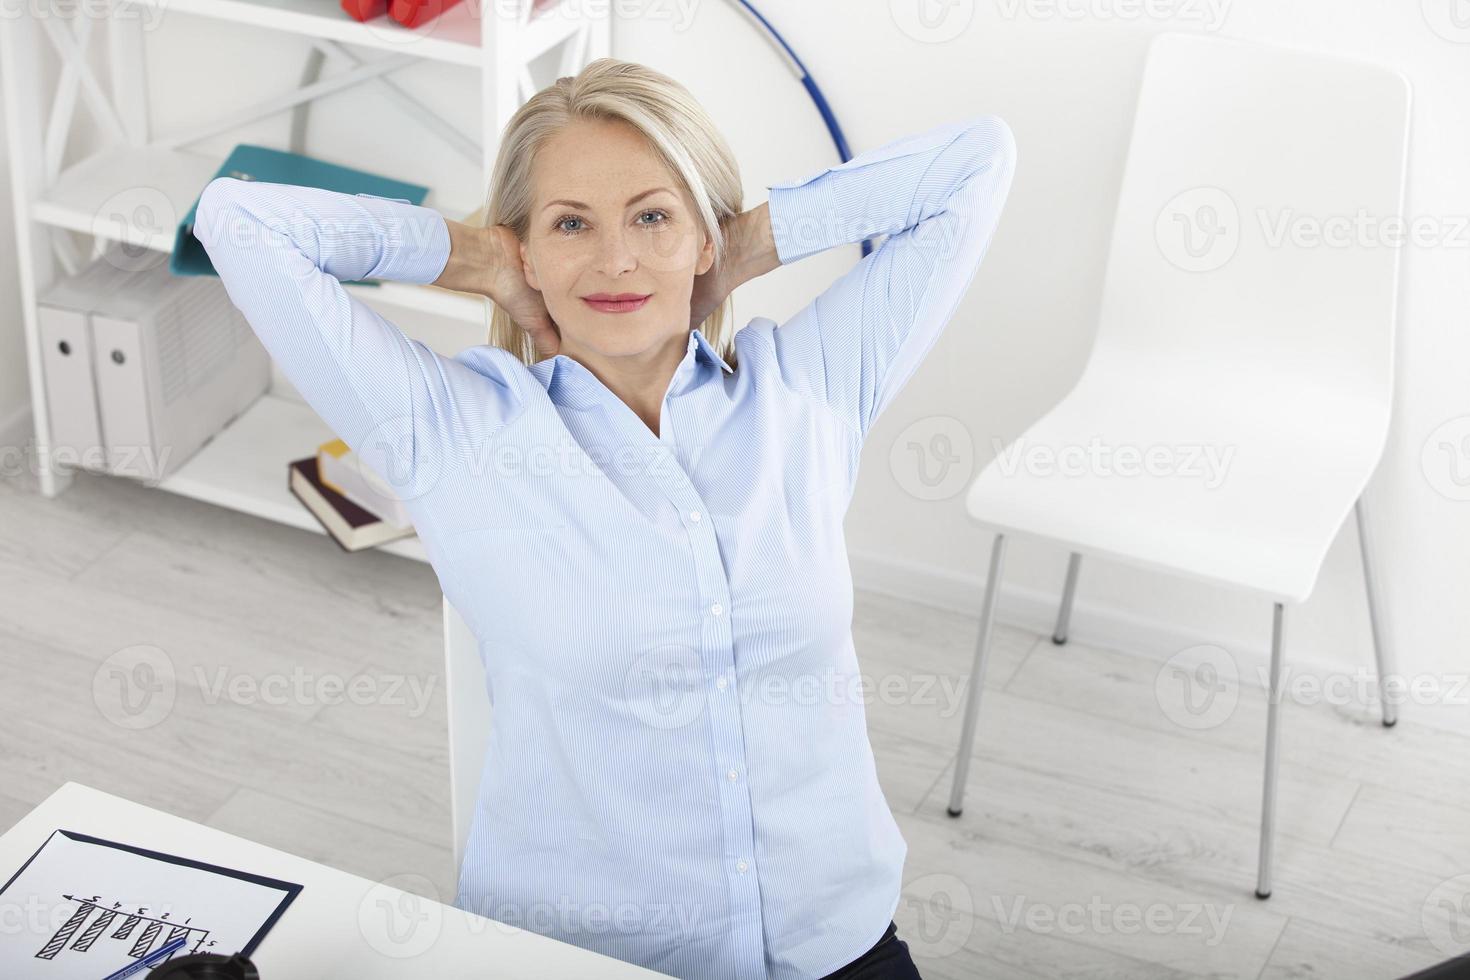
x: 614, y: 304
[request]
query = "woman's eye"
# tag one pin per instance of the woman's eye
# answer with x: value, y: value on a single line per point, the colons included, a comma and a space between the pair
x: 561, y: 223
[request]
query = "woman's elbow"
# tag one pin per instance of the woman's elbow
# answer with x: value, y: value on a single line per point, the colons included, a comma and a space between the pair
x: 991, y: 146
x: 218, y: 209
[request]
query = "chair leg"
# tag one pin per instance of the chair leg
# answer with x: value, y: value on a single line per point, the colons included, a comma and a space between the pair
x: 1069, y: 592
x: 977, y: 677
x: 1273, y: 736
x: 1380, y: 650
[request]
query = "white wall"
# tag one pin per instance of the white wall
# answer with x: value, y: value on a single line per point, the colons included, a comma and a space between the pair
x: 1065, y: 74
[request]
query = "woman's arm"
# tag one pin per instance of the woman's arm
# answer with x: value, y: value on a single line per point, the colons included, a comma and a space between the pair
x: 281, y: 250
x: 937, y: 195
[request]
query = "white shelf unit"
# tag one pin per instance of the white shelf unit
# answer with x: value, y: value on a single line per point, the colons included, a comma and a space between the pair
x: 244, y: 466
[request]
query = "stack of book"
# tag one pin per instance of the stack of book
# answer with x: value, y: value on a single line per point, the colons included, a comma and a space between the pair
x: 354, y: 504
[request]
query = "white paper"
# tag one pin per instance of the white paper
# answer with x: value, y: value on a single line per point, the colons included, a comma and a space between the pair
x: 80, y: 910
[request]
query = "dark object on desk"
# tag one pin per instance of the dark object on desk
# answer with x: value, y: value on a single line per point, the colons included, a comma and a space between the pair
x: 206, y: 966
x: 1455, y: 969
x: 247, y: 162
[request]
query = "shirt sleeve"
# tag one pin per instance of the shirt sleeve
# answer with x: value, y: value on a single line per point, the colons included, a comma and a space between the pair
x: 283, y: 251
x: 937, y: 196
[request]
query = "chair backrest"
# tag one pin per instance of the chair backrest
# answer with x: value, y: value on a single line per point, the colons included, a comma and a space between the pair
x: 1257, y: 213
x: 469, y: 724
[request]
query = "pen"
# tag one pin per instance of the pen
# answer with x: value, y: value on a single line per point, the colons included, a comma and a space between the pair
x: 152, y: 959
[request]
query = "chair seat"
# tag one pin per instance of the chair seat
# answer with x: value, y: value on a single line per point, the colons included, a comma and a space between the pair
x: 1290, y: 457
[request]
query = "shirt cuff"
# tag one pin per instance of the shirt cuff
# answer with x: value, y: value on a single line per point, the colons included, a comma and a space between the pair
x: 804, y: 217
x: 415, y: 239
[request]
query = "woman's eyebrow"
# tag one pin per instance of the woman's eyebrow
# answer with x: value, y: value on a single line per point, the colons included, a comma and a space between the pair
x: 632, y: 200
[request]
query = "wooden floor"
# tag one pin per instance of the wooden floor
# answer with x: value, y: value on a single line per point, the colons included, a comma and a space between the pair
x: 1099, y: 839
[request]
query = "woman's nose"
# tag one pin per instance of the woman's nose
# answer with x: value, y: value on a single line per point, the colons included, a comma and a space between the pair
x: 617, y: 254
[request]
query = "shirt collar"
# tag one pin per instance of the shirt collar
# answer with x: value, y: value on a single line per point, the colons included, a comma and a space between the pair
x: 565, y: 378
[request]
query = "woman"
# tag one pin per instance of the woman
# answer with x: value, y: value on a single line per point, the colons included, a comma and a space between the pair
x: 637, y: 509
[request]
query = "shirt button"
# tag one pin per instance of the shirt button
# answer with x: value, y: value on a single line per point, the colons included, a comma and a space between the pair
x: 721, y: 682
x: 732, y: 775
x: 695, y: 516
x: 717, y: 609
x: 742, y: 867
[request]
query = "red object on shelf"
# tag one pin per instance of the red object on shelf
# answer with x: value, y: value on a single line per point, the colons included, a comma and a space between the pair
x: 365, y: 9
x: 412, y: 13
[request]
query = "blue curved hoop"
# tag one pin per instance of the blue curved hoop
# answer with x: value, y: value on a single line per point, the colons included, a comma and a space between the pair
x: 812, y: 88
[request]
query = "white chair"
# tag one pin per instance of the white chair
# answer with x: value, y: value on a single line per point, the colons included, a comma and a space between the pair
x: 469, y: 724
x: 1215, y: 333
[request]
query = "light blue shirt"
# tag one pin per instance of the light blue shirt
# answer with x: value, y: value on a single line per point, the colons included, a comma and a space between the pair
x: 678, y: 772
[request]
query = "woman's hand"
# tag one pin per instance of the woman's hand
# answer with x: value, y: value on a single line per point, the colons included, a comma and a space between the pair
x: 487, y: 261
x: 510, y: 291
x: 750, y: 251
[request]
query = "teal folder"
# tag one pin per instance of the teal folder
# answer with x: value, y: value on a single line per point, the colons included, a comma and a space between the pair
x: 248, y: 162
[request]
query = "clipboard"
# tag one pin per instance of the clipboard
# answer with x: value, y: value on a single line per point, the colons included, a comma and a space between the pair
x: 123, y: 901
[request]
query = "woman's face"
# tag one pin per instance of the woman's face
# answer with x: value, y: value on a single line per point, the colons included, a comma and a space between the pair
x: 609, y: 219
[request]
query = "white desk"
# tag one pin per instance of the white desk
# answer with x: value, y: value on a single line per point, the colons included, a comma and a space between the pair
x: 340, y: 926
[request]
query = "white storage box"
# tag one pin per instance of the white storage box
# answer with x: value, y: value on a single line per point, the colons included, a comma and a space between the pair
x: 143, y: 367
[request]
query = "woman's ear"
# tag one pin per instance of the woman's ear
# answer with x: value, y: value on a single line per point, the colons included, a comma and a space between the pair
x: 527, y: 269
x: 706, y: 256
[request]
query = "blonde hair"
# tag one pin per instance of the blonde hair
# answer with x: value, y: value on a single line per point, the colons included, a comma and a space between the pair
x: 677, y: 128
